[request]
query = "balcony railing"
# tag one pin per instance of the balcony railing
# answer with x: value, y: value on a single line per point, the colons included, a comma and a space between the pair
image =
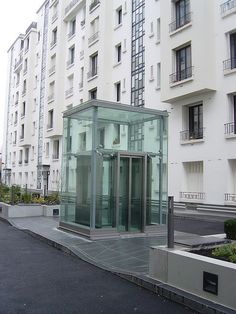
x: 191, y: 135
x: 180, y: 22
x: 181, y: 75
x: 54, y: 17
x: 93, y: 38
x: 92, y: 73
x: 71, y: 5
x: 18, y: 63
x: 53, y: 43
x: 21, y: 137
x: 25, y: 71
x: 20, y: 162
x: 230, y: 197
x: 51, y: 97
x: 24, y: 92
x: 230, y: 128
x: 16, y: 102
x: 70, y: 62
x: 69, y: 92
x: 229, y: 64
x: 55, y: 156
x: 93, y: 5
x: 193, y: 195
x: 81, y: 54
x: 22, y: 114
x: 228, y: 6
x: 26, y: 161
x: 81, y: 85
x: 82, y: 23
x: 52, y: 70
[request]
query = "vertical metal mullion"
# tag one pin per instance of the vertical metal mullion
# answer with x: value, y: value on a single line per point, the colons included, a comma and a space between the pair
x: 129, y: 193
x: 144, y: 180
x: 93, y: 171
x: 161, y: 171
x: 117, y: 190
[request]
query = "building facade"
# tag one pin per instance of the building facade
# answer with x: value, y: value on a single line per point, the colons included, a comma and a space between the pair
x: 175, y: 55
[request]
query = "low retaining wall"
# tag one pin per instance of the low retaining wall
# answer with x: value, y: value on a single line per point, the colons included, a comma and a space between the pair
x: 195, y: 274
x: 29, y: 210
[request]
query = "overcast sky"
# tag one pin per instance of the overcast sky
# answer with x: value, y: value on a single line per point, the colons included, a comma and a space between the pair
x: 15, y: 17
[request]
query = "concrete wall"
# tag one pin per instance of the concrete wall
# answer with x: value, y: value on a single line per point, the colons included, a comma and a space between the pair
x: 184, y: 270
x: 17, y: 211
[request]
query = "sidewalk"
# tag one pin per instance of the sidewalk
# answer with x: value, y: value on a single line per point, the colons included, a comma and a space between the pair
x: 128, y: 255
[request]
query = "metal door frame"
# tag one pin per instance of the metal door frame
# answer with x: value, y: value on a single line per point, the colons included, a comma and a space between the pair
x: 131, y: 156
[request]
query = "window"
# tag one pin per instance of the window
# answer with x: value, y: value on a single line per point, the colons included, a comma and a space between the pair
x: 25, y: 66
x: 233, y: 50
x: 32, y: 153
x: 82, y: 137
x: 93, y: 93
x: 158, y: 29
x: 72, y: 28
x: 119, y: 15
x: 116, y: 134
x: 70, y: 84
x: 50, y: 119
x: 230, y: 127
x: 16, y: 117
x: 118, y: 53
x: 23, y: 109
x: 24, y: 87
x: 101, y: 137
x: 196, y: 122
x: 35, y: 81
x: 27, y: 44
x: 158, y: 75
x: 93, y: 65
x: 20, y: 157
x: 22, y: 132
x: 15, y: 137
x: 47, y: 149
x: 81, y: 84
x: 182, y: 14
x: 183, y: 64
x: 54, y: 37
x: 33, y: 128
x: 55, y: 149
x: 26, y: 155
x: 71, y: 56
x: 118, y: 91
x: 94, y: 31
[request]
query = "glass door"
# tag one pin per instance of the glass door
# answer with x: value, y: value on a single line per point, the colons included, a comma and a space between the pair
x: 130, y: 193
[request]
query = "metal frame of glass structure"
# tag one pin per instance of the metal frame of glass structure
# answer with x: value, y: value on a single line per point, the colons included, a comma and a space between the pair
x: 109, y: 186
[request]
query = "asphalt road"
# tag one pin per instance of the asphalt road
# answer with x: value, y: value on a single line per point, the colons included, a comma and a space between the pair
x: 37, y: 278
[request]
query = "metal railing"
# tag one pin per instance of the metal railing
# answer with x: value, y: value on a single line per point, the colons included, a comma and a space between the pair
x: 229, y: 64
x: 20, y: 162
x: 193, y: 195
x: 51, y: 97
x: 25, y: 71
x: 54, y: 17
x: 181, y: 75
x: 227, y: 6
x: 180, y: 22
x: 22, y: 114
x: 192, y: 135
x: 230, y: 197
x: 92, y: 73
x: 93, y: 5
x: 70, y: 34
x: 24, y: 92
x: 49, y: 126
x: 70, y: 62
x: 81, y: 54
x: 26, y: 161
x: 93, y: 38
x: 52, y: 70
x: 55, y: 156
x: 82, y: 23
x: 230, y: 128
x: 53, y: 43
x: 18, y: 63
x: 69, y: 91
x: 21, y: 137
x: 71, y: 5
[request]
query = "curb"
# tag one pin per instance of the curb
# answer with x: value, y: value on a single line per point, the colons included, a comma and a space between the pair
x: 171, y: 293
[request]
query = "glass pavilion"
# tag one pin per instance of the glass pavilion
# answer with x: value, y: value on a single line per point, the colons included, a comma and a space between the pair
x: 114, y: 169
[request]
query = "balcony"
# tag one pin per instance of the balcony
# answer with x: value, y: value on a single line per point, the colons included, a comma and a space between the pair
x: 230, y: 198
x: 230, y: 129
x: 51, y: 97
x: 71, y: 34
x: 181, y: 75
x: 181, y: 22
x: 54, y: 17
x: 93, y: 5
x: 81, y: 54
x: 228, y: 7
x: 69, y: 92
x: 93, y: 38
x: 192, y: 195
x: 69, y: 63
x: 52, y: 70
x: 53, y: 43
x: 92, y: 73
x: 195, y: 135
x: 229, y: 65
x: 82, y: 23
x: 23, y: 92
x: 18, y: 64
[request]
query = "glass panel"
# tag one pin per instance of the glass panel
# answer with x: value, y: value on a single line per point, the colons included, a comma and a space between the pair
x: 124, y: 194
x: 136, y: 194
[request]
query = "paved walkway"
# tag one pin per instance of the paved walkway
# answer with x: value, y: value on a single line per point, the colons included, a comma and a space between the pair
x: 124, y: 255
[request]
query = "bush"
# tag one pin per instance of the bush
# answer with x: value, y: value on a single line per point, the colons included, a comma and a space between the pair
x: 26, y: 198
x: 226, y: 252
x: 230, y: 229
x: 52, y: 199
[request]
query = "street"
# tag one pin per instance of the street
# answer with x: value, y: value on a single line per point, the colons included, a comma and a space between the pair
x: 37, y: 278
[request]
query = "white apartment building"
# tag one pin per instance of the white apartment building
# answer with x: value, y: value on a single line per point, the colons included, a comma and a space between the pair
x: 175, y: 55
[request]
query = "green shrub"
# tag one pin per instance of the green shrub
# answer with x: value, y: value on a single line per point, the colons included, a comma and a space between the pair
x: 26, y: 198
x: 230, y: 229
x: 52, y: 199
x: 227, y: 252
x: 38, y: 200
